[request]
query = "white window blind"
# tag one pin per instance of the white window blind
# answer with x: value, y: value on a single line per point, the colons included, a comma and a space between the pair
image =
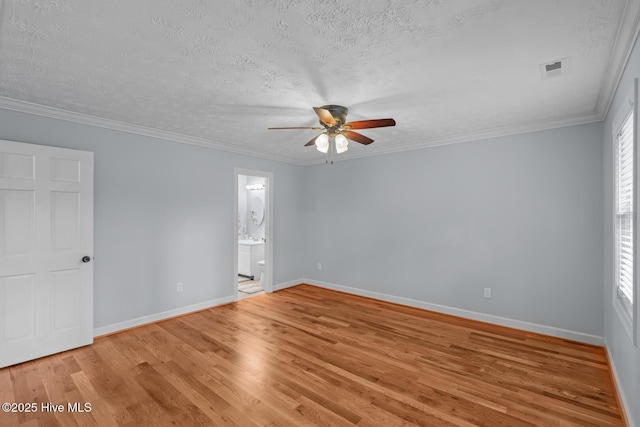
x: 624, y: 212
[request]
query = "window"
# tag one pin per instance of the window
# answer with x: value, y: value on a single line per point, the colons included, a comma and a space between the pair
x: 625, y: 221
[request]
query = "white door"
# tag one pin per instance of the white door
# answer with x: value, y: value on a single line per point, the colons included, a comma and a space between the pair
x: 46, y: 229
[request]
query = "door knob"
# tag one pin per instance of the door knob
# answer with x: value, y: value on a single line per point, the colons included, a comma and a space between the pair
x: 86, y: 258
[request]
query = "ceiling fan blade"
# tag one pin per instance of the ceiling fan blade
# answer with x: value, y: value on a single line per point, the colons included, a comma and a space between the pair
x: 279, y: 128
x: 354, y: 136
x: 368, y: 124
x: 313, y: 141
x: 325, y: 116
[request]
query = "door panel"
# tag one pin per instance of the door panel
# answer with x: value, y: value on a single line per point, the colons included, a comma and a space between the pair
x: 17, y: 230
x: 46, y: 227
x: 65, y: 170
x: 15, y: 165
x: 64, y: 220
x: 18, y: 295
x: 67, y: 285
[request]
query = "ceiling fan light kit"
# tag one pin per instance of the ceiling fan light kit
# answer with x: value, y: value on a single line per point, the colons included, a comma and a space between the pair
x: 341, y: 142
x: 337, y: 131
x: 322, y: 143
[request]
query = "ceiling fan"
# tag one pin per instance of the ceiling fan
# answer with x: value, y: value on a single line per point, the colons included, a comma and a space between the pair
x: 333, y: 118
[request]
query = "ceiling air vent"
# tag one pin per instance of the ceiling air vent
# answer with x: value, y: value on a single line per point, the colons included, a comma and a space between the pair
x: 556, y: 68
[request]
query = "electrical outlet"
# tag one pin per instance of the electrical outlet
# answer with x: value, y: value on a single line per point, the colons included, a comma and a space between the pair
x: 319, y: 266
x: 487, y: 292
x: 179, y: 287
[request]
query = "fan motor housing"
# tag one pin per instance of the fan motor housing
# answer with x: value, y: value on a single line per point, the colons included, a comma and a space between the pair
x: 338, y: 112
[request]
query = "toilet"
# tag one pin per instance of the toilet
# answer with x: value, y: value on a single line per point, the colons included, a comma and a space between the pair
x: 261, y: 268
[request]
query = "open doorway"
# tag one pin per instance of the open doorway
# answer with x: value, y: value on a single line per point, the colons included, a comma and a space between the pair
x: 253, y: 245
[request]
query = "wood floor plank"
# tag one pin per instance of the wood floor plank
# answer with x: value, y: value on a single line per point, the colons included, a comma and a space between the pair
x: 308, y: 356
x: 7, y: 395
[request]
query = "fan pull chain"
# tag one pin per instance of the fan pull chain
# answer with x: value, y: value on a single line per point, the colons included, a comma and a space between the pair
x: 332, y: 145
x: 329, y: 155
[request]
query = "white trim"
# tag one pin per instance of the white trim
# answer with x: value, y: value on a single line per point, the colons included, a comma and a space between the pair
x: 286, y: 285
x: 152, y: 318
x: 622, y: 49
x: 86, y: 119
x: 468, y: 137
x: 623, y: 399
x: 635, y: 310
x: 629, y: 322
x: 482, y: 317
x: 56, y: 113
x: 623, y: 315
x: 268, y: 229
x: 621, y: 117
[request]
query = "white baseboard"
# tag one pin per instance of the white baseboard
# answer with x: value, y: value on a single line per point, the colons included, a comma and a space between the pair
x: 285, y: 285
x: 512, y: 323
x: 109, y: 329
x: 116, y: 327
x: 626, y: 405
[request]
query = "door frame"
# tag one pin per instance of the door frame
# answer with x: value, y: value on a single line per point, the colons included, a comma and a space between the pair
x: 268, y: 228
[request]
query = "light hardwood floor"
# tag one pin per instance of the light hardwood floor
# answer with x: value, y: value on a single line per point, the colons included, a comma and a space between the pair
x: 310, y: 356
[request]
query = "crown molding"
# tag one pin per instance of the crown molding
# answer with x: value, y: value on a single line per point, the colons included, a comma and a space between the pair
x: 472, y: 136
x: 622, y: 48
x: 86, y: 119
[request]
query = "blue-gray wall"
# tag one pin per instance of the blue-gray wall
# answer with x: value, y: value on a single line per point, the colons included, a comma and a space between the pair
x: 624, y: 356
x: 164, y: 214
x: 520, y: 214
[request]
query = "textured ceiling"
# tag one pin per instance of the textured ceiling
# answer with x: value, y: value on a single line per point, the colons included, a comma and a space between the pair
x: 221, y: 72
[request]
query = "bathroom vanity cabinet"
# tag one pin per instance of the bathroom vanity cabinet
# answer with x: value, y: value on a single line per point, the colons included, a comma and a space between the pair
x: 249, y: 253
